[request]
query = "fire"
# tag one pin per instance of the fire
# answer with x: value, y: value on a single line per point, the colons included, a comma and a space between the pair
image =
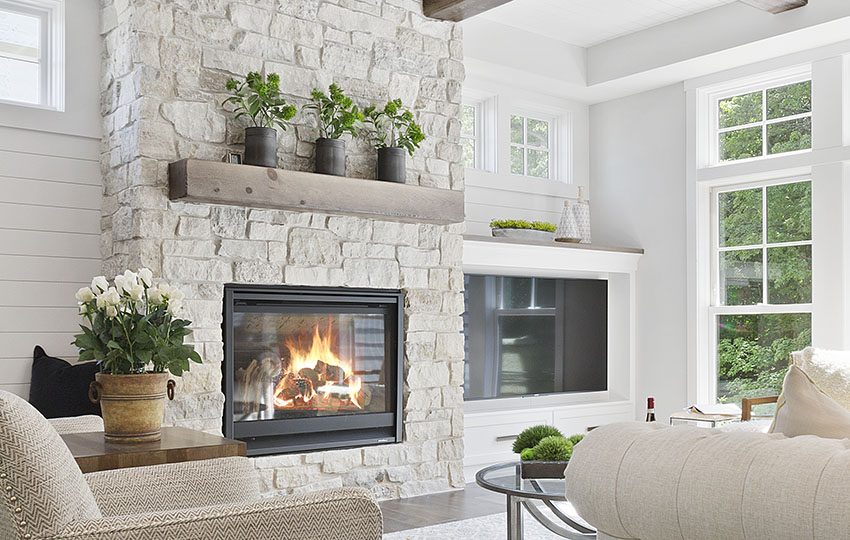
x: 316, y: 374
x: 354, y: 386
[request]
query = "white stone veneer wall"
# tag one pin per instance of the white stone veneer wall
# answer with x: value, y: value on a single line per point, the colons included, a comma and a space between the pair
x: 165, y: 64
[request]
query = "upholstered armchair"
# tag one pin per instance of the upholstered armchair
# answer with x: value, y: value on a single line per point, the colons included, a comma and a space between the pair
x: 45, y: 496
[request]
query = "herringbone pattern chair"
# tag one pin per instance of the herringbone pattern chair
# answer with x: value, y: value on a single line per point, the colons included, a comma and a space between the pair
x: 45, y: 496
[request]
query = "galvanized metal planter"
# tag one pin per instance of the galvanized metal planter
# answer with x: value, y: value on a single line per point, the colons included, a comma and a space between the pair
x: 132, y: 405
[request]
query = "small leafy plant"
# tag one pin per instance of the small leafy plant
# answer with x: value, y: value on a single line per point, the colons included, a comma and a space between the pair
x: 133, y: 324
x: 337, y: 113
x: 553, y: 448
x: 522, y: 224
x: 393, y: 126
x: 545, y: 443
x: 533, y: 435
x: 260, y: 100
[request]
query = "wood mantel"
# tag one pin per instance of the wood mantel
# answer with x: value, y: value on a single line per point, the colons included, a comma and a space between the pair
x: 193, y: 180
x: 458, y: 10
x: 776, y: 6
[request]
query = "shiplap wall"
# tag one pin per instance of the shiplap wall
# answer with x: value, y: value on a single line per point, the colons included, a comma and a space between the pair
x: 493, y: 196
x: 50, y: 196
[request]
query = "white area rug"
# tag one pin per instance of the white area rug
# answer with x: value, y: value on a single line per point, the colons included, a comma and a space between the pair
x: 483, y: 528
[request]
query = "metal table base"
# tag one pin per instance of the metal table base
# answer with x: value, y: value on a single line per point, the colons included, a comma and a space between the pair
x: 533, y: 498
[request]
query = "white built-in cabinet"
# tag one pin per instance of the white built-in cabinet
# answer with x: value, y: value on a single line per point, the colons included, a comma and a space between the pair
x: 490, y: 426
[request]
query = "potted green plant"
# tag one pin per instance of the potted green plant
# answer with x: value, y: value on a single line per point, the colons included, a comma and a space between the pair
x: 393, y: 132
x: 136, y: 336
x: 523, y: 230
x: 337, y: 115
x: 260, y: 100
x: 544, y: 451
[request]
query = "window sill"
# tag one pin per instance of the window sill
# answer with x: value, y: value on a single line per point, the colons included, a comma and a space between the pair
x: 23, y: 104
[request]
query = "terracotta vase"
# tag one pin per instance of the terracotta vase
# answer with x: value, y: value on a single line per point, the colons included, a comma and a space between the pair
x: 132, y: 405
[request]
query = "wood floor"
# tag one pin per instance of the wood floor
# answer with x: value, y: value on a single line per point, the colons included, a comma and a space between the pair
x: 471, y: 502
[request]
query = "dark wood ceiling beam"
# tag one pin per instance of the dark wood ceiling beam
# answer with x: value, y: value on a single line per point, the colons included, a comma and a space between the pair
x: 458, y: 10
x: 776, y: 6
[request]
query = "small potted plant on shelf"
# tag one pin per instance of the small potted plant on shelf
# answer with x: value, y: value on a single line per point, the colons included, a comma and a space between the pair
x: 260, y: 100
x: 523, y: 230
x: 544, y: 451
x: 337, y: 115
x: 393, y: 132
x: 136, y: 336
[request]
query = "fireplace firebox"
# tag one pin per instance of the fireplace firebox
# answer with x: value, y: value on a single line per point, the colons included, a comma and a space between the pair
x: 309, y: 368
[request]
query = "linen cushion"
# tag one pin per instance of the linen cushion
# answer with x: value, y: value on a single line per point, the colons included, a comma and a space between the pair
x: 828, y: 370
x: 803, y: 409
x: 38, y: 470
x: 59, y: 389
x: 710, y: 484
x: 722, y: 485
x: 593, y: 472
x: 781, y: 489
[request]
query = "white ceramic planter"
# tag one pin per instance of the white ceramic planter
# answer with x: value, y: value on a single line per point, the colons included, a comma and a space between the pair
x: 524, y: 234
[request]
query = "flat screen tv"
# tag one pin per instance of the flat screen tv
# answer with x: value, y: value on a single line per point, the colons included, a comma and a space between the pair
x: 528, y: 336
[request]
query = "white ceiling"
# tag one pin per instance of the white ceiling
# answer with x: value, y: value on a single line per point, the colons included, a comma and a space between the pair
x: 589, y: 22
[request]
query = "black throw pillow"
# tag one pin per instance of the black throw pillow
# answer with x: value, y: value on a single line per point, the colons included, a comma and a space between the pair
x: 59, y: 389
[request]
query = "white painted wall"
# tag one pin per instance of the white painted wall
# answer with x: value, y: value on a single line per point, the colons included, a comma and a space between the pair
x: 637, y: 171
x: 50, y: 208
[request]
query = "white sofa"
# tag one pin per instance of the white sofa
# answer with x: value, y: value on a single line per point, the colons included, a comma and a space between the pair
x: 654, y: 482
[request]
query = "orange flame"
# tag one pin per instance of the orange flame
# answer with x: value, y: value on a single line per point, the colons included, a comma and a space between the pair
x: 302, y: 357
x: 320, y: 349
x: 354, y: 386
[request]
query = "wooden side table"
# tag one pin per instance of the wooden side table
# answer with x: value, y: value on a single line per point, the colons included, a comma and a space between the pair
x: 178, y: 444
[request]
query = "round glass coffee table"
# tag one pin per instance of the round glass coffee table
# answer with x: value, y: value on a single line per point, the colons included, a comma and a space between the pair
x: 544, y: 499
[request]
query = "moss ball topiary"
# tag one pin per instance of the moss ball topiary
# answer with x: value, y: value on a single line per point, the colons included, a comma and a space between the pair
x: 527, y: 454
x: 531, y: 436
x: 553, y: 448
x: 575, y: 439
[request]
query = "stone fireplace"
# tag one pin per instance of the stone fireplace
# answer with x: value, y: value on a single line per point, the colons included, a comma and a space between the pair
x: 165, y: 64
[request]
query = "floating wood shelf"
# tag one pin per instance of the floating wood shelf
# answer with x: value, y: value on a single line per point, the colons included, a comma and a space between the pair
x: 561, y: 245
x: 193, y: 180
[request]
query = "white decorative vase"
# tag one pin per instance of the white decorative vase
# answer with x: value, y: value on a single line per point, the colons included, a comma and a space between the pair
x: 567, y: 228
x: 575, y: 221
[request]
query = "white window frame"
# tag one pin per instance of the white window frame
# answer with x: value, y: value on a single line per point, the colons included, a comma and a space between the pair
x: 709, y: 177
x: 715, y: 308
x: 477, y: 136
x: 52, y: 50
x: 709, y: 99
x: 552, y: 148
x: 486, y: 122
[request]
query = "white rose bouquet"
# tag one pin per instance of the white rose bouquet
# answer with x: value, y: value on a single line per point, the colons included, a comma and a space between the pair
x: 132, y: 324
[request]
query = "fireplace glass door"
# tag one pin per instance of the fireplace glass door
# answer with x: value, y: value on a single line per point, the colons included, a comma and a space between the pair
x: 305, y: 363
x: 309, y: 368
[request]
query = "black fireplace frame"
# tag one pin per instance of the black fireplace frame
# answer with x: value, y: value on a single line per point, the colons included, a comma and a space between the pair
x: 278, y: 436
